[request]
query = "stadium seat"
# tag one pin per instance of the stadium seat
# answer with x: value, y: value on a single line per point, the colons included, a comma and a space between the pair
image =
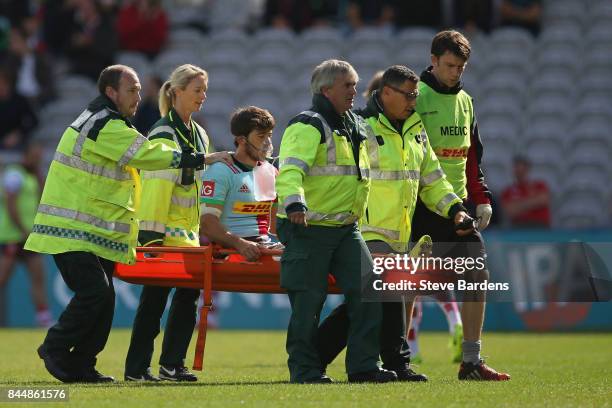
x: 218, y: 128
x: 497, y: 174
x: 582, y: 153
x: 136, y: 60
x: 562, y: 55
x: 76, y: 86
x: 314, y: 36
x: 556, y: 81
x: 313, y: 54
x: 219, y: 102
x: 563, y: 10
x: 370, y: 58
x: 511, y: 38
x: 550, y: 173
x: 497, y: 102
x: 274, y: 37
x: 415, y: 35
x: 600, y: 12
x: 595, y: 105
x: 168, y: 60
x: 369, y: 37
x: 266, y: 79
x: 228, y: 80
x: 185, y: 39
x: 548, y: 106
x: 271, y: 57
x: 568, y: 32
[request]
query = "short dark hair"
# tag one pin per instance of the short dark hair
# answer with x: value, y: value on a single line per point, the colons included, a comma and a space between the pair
x: 396, y: 75
x: 110, y: 76
x: 245, y: 120
x: 452, y: 41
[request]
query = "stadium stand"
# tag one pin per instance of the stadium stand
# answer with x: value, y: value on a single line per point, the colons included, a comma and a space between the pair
x: 549, y: 97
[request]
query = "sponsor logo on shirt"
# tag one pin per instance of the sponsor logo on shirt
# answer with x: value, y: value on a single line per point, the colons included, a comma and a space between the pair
x: 241, y: 207
x: 460, y: 152
x: 208, y: 189
x: 244, y: 189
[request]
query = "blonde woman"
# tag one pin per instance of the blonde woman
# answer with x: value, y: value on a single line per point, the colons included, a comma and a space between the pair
x: 170, y: 216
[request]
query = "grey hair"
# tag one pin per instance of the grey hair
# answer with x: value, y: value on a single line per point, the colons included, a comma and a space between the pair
x: 325, y: 74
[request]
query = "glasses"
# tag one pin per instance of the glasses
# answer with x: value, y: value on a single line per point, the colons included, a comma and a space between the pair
x: 410, y: 96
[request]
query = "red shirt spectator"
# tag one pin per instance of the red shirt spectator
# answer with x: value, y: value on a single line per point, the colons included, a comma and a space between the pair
x: 526, y: 202
x: 143, y: 27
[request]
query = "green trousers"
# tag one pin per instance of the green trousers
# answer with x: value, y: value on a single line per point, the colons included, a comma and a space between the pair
x: 310, y: 254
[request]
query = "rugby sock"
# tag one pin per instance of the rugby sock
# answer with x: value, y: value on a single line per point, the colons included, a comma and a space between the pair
x: 471, y: 351
x: 451, y: 311
x: 413, y: 340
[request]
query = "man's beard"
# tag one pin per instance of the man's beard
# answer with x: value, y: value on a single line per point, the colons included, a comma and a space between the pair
x: 252, y: 153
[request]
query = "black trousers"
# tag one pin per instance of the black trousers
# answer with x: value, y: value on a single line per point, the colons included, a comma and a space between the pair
x: 446, y: 243
x: 394, y: 350
x: 179, y: 328
x: 82, y: 329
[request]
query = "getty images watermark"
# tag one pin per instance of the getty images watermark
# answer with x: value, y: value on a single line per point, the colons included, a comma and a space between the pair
x: 516, y: 272
x: 401, y: 272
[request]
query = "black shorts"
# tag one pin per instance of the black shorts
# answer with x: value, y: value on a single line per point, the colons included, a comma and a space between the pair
x: 16, y: 250
x: 442, y: 232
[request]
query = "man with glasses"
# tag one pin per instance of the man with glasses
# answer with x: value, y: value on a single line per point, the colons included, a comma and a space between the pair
x: 402, y: 167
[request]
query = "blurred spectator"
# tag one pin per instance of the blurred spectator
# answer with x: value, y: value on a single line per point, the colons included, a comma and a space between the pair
x: 299, y: 15
x: 522, y: 13
x: 58, y: 23
x: 148, y: 108
x: 474, y: 15
x: 17, y: 118
x: 19, y: 195
x: 526, y: 202
x: 361, y: 13
x: 15, y: 10
x: 429, y: 13
x: 142, y: 26
x: 34, y: 75
x: 5, y: 26
x: 92, y: 42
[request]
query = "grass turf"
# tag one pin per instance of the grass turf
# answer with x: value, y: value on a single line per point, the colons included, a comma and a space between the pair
x: 248, y: 368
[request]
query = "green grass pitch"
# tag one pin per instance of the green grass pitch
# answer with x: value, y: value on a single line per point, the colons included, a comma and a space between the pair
x: 248, y: 368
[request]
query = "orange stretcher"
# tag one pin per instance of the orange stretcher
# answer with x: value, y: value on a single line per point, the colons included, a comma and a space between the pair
x: 212, y: 268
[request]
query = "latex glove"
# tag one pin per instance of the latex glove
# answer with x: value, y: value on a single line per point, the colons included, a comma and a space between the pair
x: 483, y: 215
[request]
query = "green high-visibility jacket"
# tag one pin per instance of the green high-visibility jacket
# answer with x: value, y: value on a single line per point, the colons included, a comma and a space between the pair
x: 170, y: 210
x: 403, y: 167
x: 27, y: 202
x: 324, y: 166
x: 92, y: 190
x: 450, y: 122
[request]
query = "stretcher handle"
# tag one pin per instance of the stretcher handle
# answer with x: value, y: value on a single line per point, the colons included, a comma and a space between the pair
x: 202, y: 249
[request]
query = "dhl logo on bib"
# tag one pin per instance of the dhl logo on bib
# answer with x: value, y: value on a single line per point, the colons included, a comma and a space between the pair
x: 241, y: 207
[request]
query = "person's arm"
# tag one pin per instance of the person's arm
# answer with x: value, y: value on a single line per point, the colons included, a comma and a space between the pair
x: 515, y: 208
x: 478, y: 191
x: 298, y: 150
x: 120, y: 143
x: 215, y: 231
